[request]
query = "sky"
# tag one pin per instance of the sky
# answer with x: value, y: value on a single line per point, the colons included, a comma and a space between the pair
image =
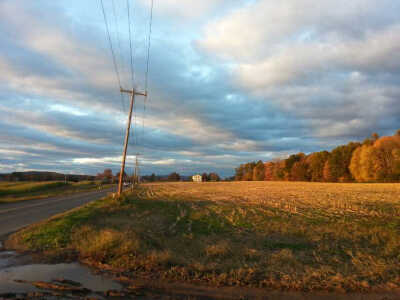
x: 229, y: 81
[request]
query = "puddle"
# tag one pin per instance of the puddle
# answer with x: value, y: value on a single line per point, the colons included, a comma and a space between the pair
x: 42, y: 272
x: 14, y: 267
x: 7, y: 258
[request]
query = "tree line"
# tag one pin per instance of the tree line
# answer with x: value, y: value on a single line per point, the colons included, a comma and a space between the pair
x: 107, y: 177
x: 376, y: 159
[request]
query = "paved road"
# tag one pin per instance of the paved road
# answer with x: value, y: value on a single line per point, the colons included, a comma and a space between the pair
x: 14, y: 216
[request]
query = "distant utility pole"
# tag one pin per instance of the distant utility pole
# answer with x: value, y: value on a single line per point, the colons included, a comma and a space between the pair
x: 133, y: 93
x: 137, y: 175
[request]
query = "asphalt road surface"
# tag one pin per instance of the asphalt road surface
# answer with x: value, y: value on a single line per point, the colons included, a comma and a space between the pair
x: 14, y: 216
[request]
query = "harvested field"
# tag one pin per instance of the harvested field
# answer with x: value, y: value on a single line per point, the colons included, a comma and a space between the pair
x: 273, y: 235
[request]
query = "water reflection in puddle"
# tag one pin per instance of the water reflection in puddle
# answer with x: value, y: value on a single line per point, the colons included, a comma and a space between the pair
x: 10, y: 271
x: 7, y: 258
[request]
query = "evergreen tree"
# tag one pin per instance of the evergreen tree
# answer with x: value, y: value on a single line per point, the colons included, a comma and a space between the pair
x: 174, y: 177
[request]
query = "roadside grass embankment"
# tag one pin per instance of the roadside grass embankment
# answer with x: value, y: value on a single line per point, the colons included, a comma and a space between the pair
x: 275, y: 235
x: 20, y: 191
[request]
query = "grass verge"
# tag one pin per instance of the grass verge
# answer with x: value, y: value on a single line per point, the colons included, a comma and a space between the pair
x: 20, y: 191
x: 272, y: 235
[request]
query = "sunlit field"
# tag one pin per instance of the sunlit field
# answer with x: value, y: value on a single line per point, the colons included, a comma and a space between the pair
x: 26, y: 190
x: 274, y: 235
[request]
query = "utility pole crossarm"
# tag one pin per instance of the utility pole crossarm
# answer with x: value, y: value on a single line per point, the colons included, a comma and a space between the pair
x: 133, y: 92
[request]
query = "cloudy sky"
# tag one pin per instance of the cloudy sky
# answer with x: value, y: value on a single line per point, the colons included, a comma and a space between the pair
x: 230, y: 81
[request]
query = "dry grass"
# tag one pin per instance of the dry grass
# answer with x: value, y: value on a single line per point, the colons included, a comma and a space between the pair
x: 277, y: 235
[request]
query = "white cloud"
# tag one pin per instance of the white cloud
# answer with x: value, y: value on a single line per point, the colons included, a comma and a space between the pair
x: 264, y: 26
x: 68, y: 109
x: 101, y: 160
x: 187, y: 9
x: 377, y: 52
x: 169, y: 161
x: 329, y: 63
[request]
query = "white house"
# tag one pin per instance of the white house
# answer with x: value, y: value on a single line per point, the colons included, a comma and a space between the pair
x: 197, y: 178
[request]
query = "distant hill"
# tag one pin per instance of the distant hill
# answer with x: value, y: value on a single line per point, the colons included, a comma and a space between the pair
x: 42, y: 176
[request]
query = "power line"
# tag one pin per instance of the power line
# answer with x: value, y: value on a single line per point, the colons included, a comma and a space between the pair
x: 130, y: 42
x: 117, y: 31
x: 112, y: 52
x: 120, y: 50
x: 149, y: 45
x: 147, y: 65
x: 132, y: 62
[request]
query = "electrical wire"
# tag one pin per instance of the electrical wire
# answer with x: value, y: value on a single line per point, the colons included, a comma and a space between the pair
x: 147, y: 66
x: 112, y: 53
x: 117, y: 33
x: 131, y: 65
x: 130, y: 42
x: 149, y: 45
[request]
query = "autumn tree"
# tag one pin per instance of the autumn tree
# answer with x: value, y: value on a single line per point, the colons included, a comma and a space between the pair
x: 248, y: 175
x: 259, y: 171
x: 378, y: 161
x: 279, y: 170
x: 269, y: 171
x: 214, y: 177
x: 355, y: 164
x: 299, y: 171
x: 375, y: 136
x: 239, y: 171
x: 245, y: 172
x: 396, y: 164
x: 289, y: 162
x: 204, y: 177
x: 328, y: 173
x: 316, y: 163
x: 337, y: 166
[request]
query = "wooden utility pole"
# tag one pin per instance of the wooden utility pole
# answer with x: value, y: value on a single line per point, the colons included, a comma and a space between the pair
x: 133, y: 93
x: 137, y: 175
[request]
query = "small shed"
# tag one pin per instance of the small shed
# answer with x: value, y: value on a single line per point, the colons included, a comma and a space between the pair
x: 197, y: 178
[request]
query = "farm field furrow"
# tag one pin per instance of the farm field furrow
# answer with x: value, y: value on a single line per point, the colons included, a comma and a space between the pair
x: 273, y: 235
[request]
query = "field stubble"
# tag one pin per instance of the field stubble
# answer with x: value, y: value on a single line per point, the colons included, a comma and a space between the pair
x: 276, y: 235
